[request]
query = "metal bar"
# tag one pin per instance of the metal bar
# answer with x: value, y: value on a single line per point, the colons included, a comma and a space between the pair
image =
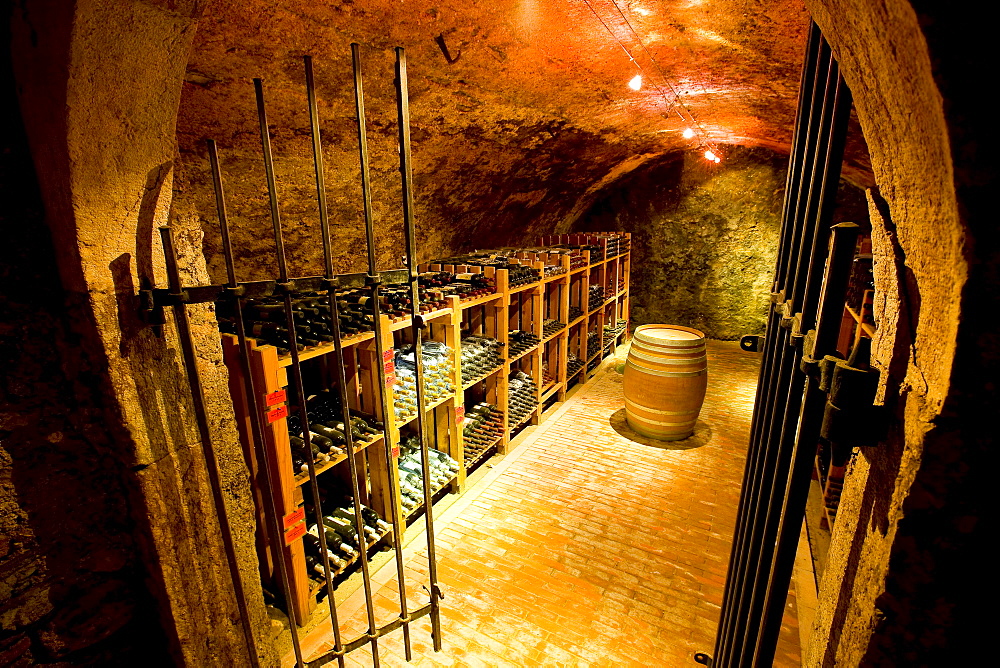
x: 211, y: 462
x: 202, y: 294
x: 403, y: 115
x: 338, y: 351
x: 271, y: 521
x: 366, y: 198
x: 362, y: 640
x: 836, y: 275
x: 766, y: 382
x: 807, y: 85
x: 777, y: 368
x: 783, y: 393
x: 284, y: 286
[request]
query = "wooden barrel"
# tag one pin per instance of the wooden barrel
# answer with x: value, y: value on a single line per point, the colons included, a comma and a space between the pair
x: 666, y: 374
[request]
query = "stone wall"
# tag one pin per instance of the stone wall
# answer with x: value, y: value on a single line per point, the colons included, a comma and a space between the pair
x: 71, y: 579
x: 704, y: 237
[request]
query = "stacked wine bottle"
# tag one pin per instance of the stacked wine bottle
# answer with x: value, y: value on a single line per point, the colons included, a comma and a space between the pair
x: 520, y: 341
x: 596, y: 297
x: 573, y: 365
x: 480, y: 357
x: 574, y: 313
x: 550, y: 327
x: 443, y: 470
x: 327, y: 437
x: 265, y: 321
x: 438, y: 364
x: 553, y: 270
x: 342, y: 541
x: 482, y: 429
x: 593, y: 343
x: 464, y: 285
x: 522, y: 397
x: 611, y: 331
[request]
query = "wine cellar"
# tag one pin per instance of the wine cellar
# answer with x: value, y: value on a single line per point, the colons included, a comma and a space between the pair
x: 496, y: 355
x: 576, y: 333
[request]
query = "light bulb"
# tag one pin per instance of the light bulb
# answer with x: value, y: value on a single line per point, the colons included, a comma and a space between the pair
x: 718, y: 159
x: 636, y: 82
x: 688, y: 133
x: 710, y: 156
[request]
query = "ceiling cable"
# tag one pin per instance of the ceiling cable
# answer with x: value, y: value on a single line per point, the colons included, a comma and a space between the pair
x: 676, y: 104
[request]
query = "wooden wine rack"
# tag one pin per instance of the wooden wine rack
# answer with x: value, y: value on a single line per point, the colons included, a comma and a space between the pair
x: 520, y: 307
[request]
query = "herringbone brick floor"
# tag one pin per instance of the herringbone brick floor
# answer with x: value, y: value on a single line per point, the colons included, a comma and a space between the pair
x: 582, y: 547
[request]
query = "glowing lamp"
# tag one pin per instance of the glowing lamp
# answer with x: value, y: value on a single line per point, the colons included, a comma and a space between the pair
x: 688, y: 133
x: 711, y: 156
x: 636, y: 82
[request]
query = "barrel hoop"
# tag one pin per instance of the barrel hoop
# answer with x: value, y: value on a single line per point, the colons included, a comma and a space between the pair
x: 660, y: 360
x: 661, y: 350
x: 654, y: 410
x: 679, y: 343
x: 669, y: 374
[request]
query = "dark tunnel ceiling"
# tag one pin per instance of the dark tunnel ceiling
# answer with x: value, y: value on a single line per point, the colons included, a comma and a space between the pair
x: 529, y: 113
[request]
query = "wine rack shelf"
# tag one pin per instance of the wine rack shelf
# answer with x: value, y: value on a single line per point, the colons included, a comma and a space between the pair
x: 567, y: 267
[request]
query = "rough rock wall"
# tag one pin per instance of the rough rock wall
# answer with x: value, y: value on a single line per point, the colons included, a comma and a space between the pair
x: 101, y: 126
x: 906, y: 575
x: 704, y: 237
x: 71, y: 578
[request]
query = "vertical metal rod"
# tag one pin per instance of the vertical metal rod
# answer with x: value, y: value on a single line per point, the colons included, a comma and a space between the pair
x: 766, y: 385
x: 403, y: 114
x: 837, y: 272
x: 338, y: 350
x: 776, y: 369
x: 286, y: 287
x: 781, y: 435
x: 373, y: 282
x: 204, y: 433
x: 271, y: 520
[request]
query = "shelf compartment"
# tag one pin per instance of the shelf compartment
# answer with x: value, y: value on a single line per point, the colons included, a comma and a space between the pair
x: 326, y: 348
x: 521, y: 356
x: 303, y: 478
x: 478, y: 301
x: 492, y: 372
x: 427, y: 407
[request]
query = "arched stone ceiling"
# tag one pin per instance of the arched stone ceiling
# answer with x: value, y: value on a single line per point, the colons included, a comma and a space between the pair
x: 520, y: 108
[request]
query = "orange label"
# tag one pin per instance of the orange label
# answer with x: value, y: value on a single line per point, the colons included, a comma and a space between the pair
x: 294, y: 516
x: 389, y: 367
x: 295, y: 533
x: 275, y: 397
x: 459, y: 414
x: 390, y: 380
x: 387, y: 355
x: 277, y: 413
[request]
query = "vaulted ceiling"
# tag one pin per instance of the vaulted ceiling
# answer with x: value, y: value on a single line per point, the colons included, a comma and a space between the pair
x: 521, y: 109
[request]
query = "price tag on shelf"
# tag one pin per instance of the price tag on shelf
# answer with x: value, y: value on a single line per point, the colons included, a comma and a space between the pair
x: 390, y: 368
x: 293, y: 517
x: 277, y: 413
x: 459, y: 414
x: 277, y: 397
x: 390, y: 380
x: 295, y: 533
x: 395, y: 452
x: 387, y: 355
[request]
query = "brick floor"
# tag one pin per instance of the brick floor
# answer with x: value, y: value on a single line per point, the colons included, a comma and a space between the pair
x: 584, y: 548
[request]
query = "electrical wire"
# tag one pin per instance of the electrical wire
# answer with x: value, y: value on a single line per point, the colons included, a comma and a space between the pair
x: 658, y: 68
x: 672, y: 105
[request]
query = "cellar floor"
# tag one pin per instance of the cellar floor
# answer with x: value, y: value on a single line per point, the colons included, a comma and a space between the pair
x: 582, y: 547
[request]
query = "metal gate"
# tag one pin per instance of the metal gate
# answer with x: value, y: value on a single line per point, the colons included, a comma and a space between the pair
x: 808, y: 295
x: 236, y: 293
